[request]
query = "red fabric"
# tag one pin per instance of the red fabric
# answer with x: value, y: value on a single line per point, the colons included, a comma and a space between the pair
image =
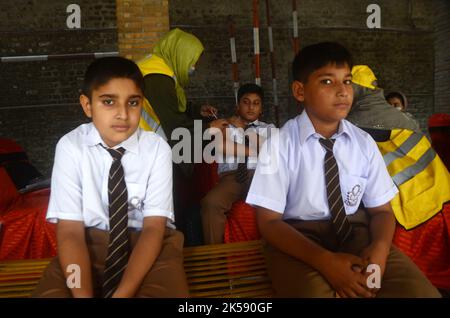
x: 9, y: 146
x: 428, y: 245
x: 439, y: 120
x: 241, y: 224
x: 206, y: 178
x: 9, y: 193
x: 241, y: 220
x: 191, y: 190
x: 25, y: 234
x: 440, y: 141
x: 439, y: 128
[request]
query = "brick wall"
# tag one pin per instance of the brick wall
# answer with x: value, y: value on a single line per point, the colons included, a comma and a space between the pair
x: 140, y: 24
x: 39, y: 100
x: 400, y: 53
x: 442, y: 62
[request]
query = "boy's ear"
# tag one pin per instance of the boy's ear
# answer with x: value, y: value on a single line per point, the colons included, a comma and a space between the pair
x: 86, y: 105
x: 298, y: 91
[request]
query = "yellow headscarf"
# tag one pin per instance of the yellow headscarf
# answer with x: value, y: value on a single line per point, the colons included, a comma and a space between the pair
x: 180, y: 51
x: 363, y: 75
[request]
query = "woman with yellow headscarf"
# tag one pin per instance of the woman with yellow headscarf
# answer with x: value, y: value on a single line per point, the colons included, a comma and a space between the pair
x: 166, y: 73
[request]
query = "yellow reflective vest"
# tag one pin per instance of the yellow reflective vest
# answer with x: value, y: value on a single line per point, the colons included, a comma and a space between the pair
x: 420, y: 175
x: 152, y: 65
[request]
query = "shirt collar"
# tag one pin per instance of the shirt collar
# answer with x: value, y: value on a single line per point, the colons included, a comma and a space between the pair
x: 131, y: 144
x: 255, y: 124
x: 307, y: 129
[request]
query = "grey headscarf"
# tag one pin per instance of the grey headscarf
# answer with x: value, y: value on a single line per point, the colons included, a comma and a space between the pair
x: 371, y: 110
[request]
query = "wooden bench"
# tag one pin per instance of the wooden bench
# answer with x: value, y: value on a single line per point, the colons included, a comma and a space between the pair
x: 223, y: 270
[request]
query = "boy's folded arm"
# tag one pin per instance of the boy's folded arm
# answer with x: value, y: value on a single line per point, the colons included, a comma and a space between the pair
x: 72, y: 250
x: 287, y: 239
x: 335, y: 267
x: 143, y: 256
x: 382, y: 224
x: 382, y: 228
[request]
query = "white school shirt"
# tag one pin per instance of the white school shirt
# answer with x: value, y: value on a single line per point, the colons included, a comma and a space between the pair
x: 295, y: 184
x: 79, y: 187
x: 230, y: 163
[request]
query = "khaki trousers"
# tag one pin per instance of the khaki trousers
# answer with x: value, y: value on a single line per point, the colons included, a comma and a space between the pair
x: 293, y: 278
x: 165, y: 279
x: 217, y: 203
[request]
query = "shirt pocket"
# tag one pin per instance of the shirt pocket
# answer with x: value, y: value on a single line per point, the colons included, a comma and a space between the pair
x: 136, y: 198
x: 352, y: 188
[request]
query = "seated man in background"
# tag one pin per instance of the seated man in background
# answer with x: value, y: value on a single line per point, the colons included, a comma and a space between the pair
x: 235, y: 176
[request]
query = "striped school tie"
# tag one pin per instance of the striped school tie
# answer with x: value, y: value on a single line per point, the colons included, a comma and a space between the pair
x: 340, y: 222
x: 242, y: 170
x: 118, y: 248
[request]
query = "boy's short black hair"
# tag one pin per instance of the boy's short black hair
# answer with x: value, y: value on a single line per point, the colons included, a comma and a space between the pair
x: 313, y: 57
x: 395, y: 95
x: 104, y: 69
x: 248, y: 89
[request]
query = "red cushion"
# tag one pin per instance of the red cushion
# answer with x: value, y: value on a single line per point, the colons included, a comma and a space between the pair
x: 9, y: 146
x: 241, y: 224
x: 9, y: 192
x: 428, y: 245
x: 25, y: 234
x: 440, y: 140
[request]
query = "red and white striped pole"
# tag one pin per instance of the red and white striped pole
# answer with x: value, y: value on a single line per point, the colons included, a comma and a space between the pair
x: 256, y: 41
x: 234, y: 65
x: 273, y: 65
x: 296, y: 42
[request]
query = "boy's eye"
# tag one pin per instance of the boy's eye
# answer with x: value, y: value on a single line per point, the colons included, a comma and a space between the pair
x: 134, y: 103
x: 326, y: 81
x: 348, y: 82
x: 108, y: 102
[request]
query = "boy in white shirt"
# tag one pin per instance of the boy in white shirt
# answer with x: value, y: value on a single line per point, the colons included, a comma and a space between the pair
x: 235, y: 172
x: 324, y: 210
x: 112, y: 198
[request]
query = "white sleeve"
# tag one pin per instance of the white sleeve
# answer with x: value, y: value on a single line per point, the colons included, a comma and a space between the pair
x: 380, y: 188
x: 270, y: 183
x: 158, y: 198
x: 65, y: 195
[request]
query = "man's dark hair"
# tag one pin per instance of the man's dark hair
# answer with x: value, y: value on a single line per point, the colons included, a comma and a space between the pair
x: 104, y: 69
x: 250, y: 88
x: 396, y: 95
x: 313, y: 57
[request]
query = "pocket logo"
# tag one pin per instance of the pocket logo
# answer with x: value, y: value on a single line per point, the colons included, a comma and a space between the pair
x: 353, y: 195
x: 135, y: 204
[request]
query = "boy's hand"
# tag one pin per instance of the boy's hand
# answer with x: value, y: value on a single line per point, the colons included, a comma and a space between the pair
x: 346, y: 281
x: 208, y: 111
x: 219, y: 123
x: 237, y: 122
x: 376, y: 254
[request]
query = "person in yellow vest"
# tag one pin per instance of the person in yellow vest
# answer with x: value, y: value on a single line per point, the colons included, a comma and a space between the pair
x: 166, y: 73
x: 417, y: 171
x: 370, y: 108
